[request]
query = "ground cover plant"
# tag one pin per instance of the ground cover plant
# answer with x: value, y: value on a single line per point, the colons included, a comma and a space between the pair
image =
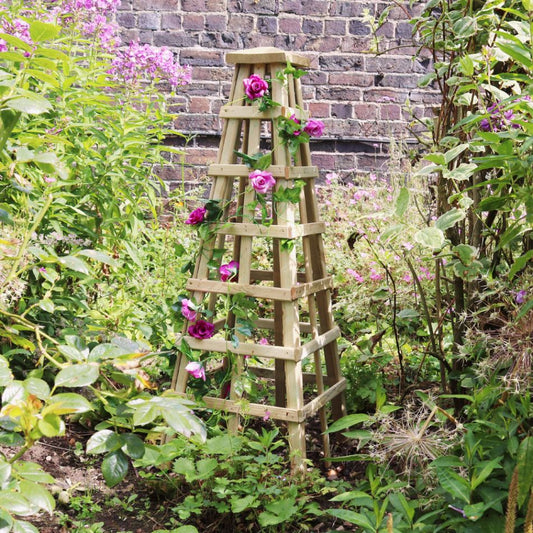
x: 433, y: 271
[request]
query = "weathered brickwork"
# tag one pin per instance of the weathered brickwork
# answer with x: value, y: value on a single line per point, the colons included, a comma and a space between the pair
x: 360, y: 97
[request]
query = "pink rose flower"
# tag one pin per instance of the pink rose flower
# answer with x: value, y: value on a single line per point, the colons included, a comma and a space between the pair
x: 255, y: 87
x: 196, y: 370
x: 201, y: 330
x: 315, y: 128
x: 196, y: 217
x: 228, y: 271
x: 262, y: 181
x: 186, y: 310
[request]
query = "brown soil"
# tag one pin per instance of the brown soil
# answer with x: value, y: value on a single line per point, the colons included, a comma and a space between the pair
x: 87, y: 499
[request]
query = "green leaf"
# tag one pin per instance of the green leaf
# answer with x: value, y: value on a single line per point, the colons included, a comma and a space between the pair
x: 99, y: 256
x: 47, y: 305
x: 144, y: 412
x: 347, y: 421
x: 5, y: 218
x: 6, y: 521
x: 43, y: 31
x: 21, y: 526
x: 263, y: 162
x: 524, y: 464
x: 402, y: 202
x: 104, y: 441
x: 486, y: 469
x: 15, y: 503
x: 185, y: 467
x: 430, y: 237
x: 449, y: 219
x: 35, y: 105
x: 114, y: 468
x: 37, y: 495
x: 454, y: 484
x: 77, y: 375
x: 74, y: 263
x: 32, y: 472
x: 525, y: 309
x: 451, y: 154
x: 5, y: 472
x: 71, y: 353
x: 51, y: 425
x: 461, y: 173
x: 352, y: 517
x: 519, y: 53
x: 466, y: 253
x: 133, y: 445
x: 68, y: 403
x: 520, y: 263
x: 238, y: 505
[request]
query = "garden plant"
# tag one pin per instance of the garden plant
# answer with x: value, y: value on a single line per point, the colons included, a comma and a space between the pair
x: 434, y: 293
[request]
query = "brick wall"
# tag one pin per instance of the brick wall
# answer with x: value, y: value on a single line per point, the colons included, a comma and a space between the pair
x: 360, y: 97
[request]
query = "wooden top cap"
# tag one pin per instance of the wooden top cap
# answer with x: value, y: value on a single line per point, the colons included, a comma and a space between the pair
x: 265, y: 55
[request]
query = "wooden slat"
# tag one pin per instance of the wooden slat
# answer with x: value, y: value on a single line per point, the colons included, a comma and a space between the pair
x: 269, y: 275
x: 321, y: 341
x: 256, y: 291
x: 314, y: 405
x: 269, y: 373
x: 244, y: 348
x: 232, y: 111
x: 266, y: 55
x: 268, y: 323
x: 248, y: 229
x: 277, y: 171
x: 305, y: 289
x: 254, y: 409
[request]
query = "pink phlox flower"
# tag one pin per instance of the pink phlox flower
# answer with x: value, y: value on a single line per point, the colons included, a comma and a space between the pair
x: 228, y: 271
x: 408, y: 246
x: 196, y: 370
x: 355, y: 275
x: 407, y: 278
x: 375, y: 275
x: 262, y: 181
x: 294, y: 119
x: 267, y: 416
x: 187, y: 309
x: 263, y: 341
x: 255, y: 87
x: 197, y: 216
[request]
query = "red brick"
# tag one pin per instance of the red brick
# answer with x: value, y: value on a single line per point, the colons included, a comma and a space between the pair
x: 319, y: 109
x: 193, y: 21
x: 153, y: 5
x: 357, y: 79
x: 324, y: 44
x: 215, y: 22
x: 365, y: 111
x: 170, y: 21
x: 390, y: 112
x: 199, y: 104
x: 335, y: 27
x: 240, y: 23
x: 290, y: 24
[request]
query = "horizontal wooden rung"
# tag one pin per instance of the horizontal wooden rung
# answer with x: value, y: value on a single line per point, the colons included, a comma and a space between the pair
x: 320, y: 401
x: 223, y: 346
x: 278, y: 171
x: 254, y: 409
x: 308, y: 377
x: 252, y: 112
x: 274, y: 231
x: 268, y: 275
x: 320, y: 341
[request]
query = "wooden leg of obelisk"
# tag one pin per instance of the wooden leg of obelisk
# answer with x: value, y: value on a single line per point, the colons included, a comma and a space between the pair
x: 297, y: 446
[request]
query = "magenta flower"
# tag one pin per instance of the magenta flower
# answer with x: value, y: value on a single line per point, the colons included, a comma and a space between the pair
x: 263, y: 341
x: 196, y: 370
x: 196, y: 217
x: 315, y: 128
x: 356, y: 275
x: 186, y: 310
x: 294, y: 119
x: 228, y: 271
x: 201, y: 329
x: 262, y: 181
x: 255, y: 87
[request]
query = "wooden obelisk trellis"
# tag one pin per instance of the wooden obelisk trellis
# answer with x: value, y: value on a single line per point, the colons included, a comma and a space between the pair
x: 297, y: 289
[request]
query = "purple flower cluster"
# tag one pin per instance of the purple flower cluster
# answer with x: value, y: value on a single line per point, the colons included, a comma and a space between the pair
x: 140, y: 61
x: 499, y: 119
x: 18, y: 28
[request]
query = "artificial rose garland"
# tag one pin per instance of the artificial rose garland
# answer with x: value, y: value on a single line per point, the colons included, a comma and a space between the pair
x: 197, y: 216
x: 262, y: 181
x: 202, y: 329
x: 196, y: 370
x: 228, y: 271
